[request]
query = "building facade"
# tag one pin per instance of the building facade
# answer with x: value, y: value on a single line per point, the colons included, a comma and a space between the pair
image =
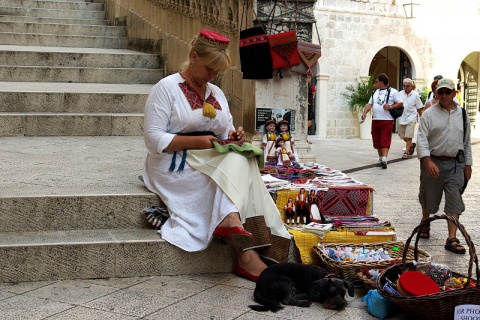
x: 400, y: 38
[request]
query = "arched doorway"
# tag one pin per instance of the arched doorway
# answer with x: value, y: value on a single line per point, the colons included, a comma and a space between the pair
x: 469, y: 88
x: 395, y: 63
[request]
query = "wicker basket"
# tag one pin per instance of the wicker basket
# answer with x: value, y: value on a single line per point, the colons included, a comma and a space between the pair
x: 349, y: 269
x: 368, y: 283
x: 439, y: 305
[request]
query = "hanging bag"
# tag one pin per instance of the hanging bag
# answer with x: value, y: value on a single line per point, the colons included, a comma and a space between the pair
x: 283, y: 46
x: 255, y: 57
x: 309, y: 54
x: 395, y: 113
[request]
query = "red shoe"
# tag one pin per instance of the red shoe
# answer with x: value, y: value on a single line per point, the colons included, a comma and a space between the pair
x: 237, y: 236
x: 239, y: 271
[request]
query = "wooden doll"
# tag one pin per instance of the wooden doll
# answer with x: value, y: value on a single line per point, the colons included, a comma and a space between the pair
x: 301, y: 207
x: 290, y: 211
x: 269, y: 142
x: 282, y: 153
x: 283, y: 129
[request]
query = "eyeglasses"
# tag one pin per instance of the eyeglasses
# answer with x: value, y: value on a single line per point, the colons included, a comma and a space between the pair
x: 444, y: 91
x: 407, y: 85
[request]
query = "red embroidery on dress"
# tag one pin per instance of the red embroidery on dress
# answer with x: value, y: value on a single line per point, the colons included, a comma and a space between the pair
x: 194, y: 99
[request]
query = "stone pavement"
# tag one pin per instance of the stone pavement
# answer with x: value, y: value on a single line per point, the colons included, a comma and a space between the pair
x: 210, y: 296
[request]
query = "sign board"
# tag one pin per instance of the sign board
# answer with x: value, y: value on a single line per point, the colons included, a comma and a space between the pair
x: 467, y: 312
x: 277, y: 114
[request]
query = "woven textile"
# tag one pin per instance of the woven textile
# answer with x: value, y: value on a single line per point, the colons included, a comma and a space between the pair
x: 309, y: 54
x: 344, y: 202
x: 283, y: 47
x: 255, y: 57
x: 335, y: 202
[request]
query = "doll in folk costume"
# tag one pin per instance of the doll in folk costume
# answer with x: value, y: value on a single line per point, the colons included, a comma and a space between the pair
x: 283, y: 129
x: 282, y: 153
x: 315, y: 214
x: 269, y: 142
x: 301, y: 207
x: 290, y: 211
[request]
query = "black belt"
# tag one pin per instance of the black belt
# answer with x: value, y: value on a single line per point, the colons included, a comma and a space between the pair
x: 443, y: 158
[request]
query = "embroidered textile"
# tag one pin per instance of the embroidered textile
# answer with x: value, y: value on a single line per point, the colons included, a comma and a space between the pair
x: 344, y: 202
x: 195, y: 101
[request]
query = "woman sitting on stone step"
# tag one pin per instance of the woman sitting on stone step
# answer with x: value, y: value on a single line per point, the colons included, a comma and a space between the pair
x: 208, y: 194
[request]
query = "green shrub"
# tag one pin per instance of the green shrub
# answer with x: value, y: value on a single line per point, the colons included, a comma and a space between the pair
x: 358, y: 96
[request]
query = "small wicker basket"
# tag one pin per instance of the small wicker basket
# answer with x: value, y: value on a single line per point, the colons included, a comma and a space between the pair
x: 349, y: 269
x: 441, y: 305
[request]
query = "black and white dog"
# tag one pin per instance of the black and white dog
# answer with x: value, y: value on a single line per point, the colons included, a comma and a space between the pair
x: 299, y: 285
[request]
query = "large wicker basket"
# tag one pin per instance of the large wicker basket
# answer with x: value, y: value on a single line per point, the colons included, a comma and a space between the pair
x: 439, y: 305
x: 349, y: 269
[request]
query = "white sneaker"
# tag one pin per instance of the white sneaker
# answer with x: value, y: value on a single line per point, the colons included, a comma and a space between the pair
x: 383, y: 162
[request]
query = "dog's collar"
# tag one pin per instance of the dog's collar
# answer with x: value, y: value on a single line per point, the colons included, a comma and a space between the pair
x: 331, y: 275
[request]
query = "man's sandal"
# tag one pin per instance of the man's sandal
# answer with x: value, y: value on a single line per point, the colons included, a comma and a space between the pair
x: 412, y: 149
x: 405, y: 155
x: 425, y: 232
x: 453, y: 245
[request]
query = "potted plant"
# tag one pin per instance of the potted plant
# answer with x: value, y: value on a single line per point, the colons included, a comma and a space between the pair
x: 357, y: 97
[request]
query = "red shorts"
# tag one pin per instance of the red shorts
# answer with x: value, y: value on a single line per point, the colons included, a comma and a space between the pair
x: 382, y: 133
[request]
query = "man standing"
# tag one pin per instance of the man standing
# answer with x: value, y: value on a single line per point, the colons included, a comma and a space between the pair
x: 408, y: 120
x: 445, y: 153
x: 383, y: 99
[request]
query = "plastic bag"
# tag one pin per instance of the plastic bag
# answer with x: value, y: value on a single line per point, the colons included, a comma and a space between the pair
x: 378, y: 306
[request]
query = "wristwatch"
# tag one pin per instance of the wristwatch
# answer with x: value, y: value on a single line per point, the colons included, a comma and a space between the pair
x: 391, y: 107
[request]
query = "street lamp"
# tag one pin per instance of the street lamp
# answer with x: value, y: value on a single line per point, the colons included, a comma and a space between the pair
x: 408, y: 9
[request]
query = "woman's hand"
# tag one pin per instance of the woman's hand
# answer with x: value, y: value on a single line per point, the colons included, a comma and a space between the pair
x: 237, y: 135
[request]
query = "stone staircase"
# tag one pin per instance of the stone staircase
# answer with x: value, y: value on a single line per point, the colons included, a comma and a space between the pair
x: 71, y: 148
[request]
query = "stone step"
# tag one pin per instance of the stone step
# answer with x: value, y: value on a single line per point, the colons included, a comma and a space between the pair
x: 25, y: 39
x: 38, y: 97
x: 76, y: 57
x: 102, y: 253
x: 74, y: 212
x: 71, y: 124
x: 55, y: 20
x: 59, y: 5
x: 53, y: 13
x: 80, y: 75
x: 89, y: 187
x: 62, y: 29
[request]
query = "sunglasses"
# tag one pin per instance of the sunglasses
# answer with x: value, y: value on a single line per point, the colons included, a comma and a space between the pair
x: 444, y: 91
x: 438, y: 77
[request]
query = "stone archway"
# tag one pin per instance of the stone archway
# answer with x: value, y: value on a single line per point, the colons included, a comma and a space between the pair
x: 468, y: 76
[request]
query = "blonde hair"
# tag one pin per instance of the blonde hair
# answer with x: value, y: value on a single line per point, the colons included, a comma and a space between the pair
x: 215, y: 57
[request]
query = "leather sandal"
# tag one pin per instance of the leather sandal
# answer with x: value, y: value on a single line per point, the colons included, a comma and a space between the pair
x: 453, y: 245
x: 425, y: 232
x: 412, y: 149
x: 405, y: 155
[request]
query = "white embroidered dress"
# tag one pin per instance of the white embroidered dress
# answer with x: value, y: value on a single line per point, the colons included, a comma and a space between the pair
x: 199, y: 198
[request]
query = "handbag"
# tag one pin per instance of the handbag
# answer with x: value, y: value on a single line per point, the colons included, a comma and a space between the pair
x: 255, y: 57
x: 309, y: 54
x: 283, y: 49
x: 395, y: 113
